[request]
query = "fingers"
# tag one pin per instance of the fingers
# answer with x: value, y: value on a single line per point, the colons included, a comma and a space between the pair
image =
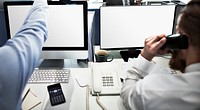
x: 147, y: 40
x: 153, y: 39
x: 153, y: 45
x: 155, y: 42
x: 157, y: 38
x: 160, y: 43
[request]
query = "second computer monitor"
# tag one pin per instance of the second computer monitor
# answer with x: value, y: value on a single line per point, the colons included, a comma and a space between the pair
x: 125, y: 27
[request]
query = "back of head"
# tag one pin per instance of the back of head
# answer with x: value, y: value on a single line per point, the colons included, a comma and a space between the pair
x: 189, y: 23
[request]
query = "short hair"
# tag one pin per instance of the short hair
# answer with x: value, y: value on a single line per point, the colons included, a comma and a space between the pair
x: 189, y: 22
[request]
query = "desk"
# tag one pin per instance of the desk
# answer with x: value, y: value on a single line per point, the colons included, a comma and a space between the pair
x: 77, y: 101
x: 76, y: 95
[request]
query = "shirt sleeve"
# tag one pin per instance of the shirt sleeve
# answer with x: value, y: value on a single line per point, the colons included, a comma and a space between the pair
x: 20, y: 55
x: 136, y: 69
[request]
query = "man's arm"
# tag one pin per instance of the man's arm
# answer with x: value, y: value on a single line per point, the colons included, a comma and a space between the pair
x: 136, y: 69
x: 131, y: 92
x: 20, y: 55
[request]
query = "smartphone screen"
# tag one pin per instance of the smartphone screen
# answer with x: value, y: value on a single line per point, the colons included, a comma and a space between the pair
x: 55, y: 94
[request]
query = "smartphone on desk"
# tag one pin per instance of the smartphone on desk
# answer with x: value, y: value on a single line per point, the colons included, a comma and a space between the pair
x: 56, y: 95
x: 106, y: 78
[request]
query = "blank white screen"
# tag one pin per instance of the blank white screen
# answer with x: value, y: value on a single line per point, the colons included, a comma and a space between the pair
x: 129, y: 26
x: 65, y: 24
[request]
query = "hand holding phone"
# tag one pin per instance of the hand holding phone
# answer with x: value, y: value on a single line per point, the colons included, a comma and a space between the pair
x: 176, y: 41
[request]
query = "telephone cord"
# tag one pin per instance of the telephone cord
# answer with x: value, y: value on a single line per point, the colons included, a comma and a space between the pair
x: 87, y: 96
x: 99, y: 103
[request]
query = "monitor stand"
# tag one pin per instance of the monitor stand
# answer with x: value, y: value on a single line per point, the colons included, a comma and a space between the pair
x: 131, y: 53
x: 52, y: 63
x: 63, y: 63
x: 76, y: 63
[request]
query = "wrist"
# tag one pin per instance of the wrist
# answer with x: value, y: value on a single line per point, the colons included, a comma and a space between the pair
x: 146, y: 55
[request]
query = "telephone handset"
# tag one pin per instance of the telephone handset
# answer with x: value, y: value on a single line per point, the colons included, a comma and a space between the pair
x: 106, y: 80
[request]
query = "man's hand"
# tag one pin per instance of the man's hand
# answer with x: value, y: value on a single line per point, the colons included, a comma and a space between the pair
x: 152, y: 47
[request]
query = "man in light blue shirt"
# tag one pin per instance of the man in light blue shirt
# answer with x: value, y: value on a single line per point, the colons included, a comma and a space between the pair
x: 20, y: 55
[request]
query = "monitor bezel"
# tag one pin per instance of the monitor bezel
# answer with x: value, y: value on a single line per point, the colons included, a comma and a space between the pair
x: 130, y: 48
x: 85, y: 21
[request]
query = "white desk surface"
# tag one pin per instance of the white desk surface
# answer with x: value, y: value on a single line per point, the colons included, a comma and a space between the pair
x: 77, y: 93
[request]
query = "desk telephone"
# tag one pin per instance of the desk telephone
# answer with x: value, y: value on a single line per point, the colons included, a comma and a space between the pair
x: 106, y: 80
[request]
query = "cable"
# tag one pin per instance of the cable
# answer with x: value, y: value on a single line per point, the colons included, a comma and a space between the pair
x: 99, y: 103
x: 78, y: 80
x: 87, y: 97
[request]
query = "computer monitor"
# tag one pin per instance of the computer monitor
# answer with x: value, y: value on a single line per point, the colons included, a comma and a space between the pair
x: 119, y: 2
x: 127, y: 27
x: 179, y: 7
x: 67, y: 27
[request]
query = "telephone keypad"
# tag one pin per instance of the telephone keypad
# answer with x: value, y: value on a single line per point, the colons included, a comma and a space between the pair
x: 108, y: 81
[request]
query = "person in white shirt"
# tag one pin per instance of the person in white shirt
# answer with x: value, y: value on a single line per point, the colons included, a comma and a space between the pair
x: 20, y: 55
x: 149, y: 86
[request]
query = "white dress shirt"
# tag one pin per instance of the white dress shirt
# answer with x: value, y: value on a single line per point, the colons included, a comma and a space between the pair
x: 150, y: 86
x: 20, y: 55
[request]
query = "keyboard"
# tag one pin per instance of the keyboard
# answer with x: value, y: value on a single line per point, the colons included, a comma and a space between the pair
x: 50, y: 76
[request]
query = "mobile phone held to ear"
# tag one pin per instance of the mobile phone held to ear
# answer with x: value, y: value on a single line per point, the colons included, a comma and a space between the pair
x: 176, y: 41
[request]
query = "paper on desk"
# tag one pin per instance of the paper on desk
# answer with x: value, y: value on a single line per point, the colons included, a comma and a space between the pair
x: 30, y: 100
